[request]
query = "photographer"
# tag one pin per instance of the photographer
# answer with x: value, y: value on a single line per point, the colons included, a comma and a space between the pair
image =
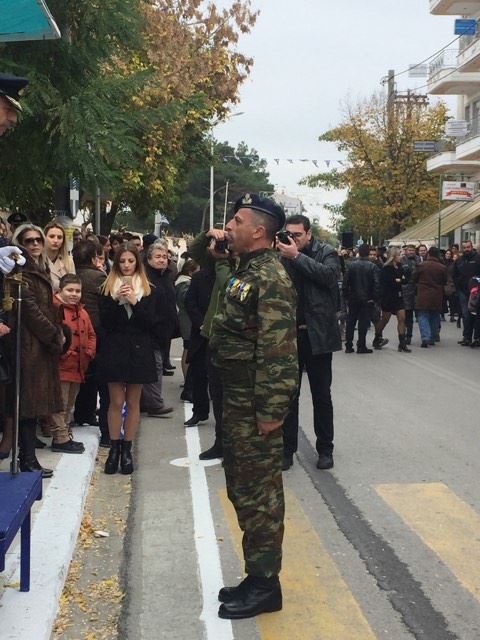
x: 314, y: 268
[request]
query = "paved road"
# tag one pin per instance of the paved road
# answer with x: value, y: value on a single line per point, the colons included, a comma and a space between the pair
x: 387, y: 545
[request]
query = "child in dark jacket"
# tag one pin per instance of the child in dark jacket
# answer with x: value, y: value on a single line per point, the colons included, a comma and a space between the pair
x: 74, y: 362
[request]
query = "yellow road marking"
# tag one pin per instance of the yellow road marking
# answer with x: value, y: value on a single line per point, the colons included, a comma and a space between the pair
x: 317, y: 603
x: 446, y: 524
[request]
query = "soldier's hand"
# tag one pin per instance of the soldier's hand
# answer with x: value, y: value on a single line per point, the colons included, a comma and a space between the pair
x: 264, y: 428
x: 217, y: 234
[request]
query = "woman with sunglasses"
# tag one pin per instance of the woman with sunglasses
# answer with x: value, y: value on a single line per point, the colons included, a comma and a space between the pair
x: 42, y: 341
x: 58, y: 260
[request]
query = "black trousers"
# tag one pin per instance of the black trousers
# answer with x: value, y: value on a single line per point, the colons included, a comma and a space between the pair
x: 319, y: 372
x: 357, y: 312
x: 199, y: 377
x: 216, y: 394
x: 86, y: 402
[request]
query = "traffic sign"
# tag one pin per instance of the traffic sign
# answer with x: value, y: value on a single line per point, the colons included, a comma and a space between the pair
x: 465, y: 27
x: 426, y: 146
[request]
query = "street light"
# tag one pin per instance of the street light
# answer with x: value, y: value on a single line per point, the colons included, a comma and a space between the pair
x: 212, y: 172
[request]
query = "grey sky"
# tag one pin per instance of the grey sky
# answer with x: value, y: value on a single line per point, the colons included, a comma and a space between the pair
x: 309, y: 56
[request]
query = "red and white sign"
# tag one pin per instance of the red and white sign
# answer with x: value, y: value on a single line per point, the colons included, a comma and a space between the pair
x: 458, y: 191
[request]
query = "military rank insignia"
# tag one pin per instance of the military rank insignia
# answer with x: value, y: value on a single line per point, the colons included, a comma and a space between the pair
x: 238, y: 289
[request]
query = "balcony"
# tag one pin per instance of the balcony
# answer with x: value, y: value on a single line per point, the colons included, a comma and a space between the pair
x: 453, y: 7
x: 446, y: 79
x: 469, y: 54
x: 468, y: 148
x: 447, y: 162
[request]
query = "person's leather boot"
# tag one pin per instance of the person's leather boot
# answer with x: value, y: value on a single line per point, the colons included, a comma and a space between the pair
x: 261, y: 595
x: 402, y: 344
x: 379, y: 342
x: 349, y: 347
x: 214, y: 452
x: 195, y: 420
x: 227, y: 594
x: 111, y: 465
x: 126, y: 460
x: 325, y: 461
x: 364, y: 350
x: 27, y: 458
x: 287, y: 462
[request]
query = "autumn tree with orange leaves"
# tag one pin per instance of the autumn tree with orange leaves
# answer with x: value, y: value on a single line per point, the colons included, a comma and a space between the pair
x: 389, y: 187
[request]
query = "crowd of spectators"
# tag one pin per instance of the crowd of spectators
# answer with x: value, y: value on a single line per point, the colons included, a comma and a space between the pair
x: 97, y: 325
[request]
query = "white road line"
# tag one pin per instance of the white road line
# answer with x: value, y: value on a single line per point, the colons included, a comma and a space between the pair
x: 208, y: 556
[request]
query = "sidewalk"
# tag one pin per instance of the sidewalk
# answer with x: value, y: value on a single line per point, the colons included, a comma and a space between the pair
x: 55, y: 524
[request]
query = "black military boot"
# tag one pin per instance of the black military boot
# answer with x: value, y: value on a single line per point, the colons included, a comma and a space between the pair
x: 349, y: 347
x: 260, y: 595
x: 227, y: 594
x: 126, y: 460
x: 111, y: 465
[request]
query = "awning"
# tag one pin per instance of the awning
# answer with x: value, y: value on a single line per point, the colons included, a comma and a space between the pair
x: 452, y: 217
x: 26, y: 20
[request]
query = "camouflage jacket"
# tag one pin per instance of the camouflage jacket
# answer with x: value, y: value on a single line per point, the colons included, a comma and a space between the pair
x: 256, y: 324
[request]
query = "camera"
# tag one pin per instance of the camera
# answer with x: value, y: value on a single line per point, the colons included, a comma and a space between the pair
x: 283, y: 236
x: 221, y: 246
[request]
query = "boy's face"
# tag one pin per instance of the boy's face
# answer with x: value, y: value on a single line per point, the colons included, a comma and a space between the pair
x: 71, y: 293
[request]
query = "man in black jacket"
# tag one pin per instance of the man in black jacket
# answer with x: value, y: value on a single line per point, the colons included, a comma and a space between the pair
x: 361, y: 288
x: 314, y: 268
x: 466, y: 267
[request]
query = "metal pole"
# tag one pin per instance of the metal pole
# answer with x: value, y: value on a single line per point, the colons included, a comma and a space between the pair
x: 211, y: 189
x: 225, y: 208
x: 16, y: 406
x: 97, y: 211
x: 440, y: 184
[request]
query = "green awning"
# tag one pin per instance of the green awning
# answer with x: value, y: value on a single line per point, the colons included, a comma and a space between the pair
x: 26, y: 20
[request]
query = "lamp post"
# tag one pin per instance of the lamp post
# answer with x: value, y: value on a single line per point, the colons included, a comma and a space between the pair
x: 212, y: 171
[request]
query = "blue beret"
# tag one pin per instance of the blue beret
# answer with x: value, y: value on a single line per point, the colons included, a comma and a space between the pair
x: 10, y: 87
x: 263, y: 205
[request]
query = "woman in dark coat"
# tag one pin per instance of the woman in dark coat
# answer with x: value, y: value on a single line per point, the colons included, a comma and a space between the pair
x: 126, y: 360
x: 392, y: 277
x: 42, y: 340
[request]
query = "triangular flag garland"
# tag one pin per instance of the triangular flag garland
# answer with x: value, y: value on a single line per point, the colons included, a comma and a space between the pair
x: 289, y: 160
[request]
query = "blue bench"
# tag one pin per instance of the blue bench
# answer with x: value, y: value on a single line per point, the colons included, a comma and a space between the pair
x: 17, y: 495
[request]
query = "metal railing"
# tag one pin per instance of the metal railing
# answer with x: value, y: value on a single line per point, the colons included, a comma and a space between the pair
x: 445, y: 60
x: 465, y: 41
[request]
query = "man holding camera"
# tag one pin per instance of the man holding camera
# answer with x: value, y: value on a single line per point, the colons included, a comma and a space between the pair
x: 314, y: 268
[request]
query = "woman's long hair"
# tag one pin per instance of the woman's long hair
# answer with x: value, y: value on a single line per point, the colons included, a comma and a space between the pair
x: 63, y: 251
x: 17, y: 239
x: 108, y: 285
x: 393, y: 252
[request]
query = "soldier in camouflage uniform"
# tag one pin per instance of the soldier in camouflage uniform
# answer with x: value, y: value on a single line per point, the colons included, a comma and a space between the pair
x: 254, y: 346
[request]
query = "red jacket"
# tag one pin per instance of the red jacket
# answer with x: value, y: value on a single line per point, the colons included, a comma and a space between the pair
x: 75, y: 361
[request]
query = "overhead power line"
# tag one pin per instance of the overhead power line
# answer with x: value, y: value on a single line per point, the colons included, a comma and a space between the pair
x: 400, y: 73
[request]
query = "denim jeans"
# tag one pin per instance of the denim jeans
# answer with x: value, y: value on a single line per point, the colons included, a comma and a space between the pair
x: 429, y: 324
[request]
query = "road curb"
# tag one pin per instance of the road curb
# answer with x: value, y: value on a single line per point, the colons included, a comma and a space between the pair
x: 54, y: 535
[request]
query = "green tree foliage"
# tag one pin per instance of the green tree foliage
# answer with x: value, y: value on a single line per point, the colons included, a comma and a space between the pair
x: 388, y: 185
x: 124, y: 100
x: 241, y: 167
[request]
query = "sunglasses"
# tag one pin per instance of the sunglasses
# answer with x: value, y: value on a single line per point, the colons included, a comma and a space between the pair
x: 38, y: 240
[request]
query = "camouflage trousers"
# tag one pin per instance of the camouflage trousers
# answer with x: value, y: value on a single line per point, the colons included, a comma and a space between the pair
x: 253, y: 472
